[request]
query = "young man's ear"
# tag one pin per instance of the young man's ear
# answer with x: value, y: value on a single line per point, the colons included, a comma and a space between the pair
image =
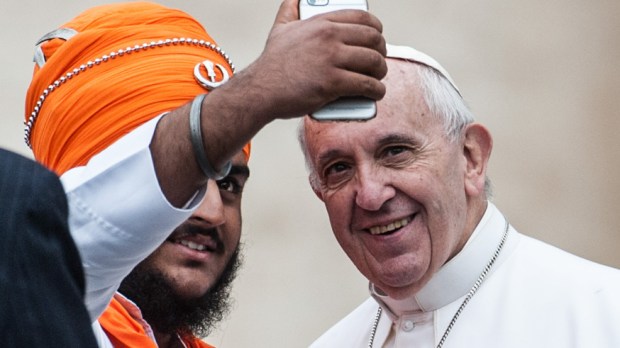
x: 477, y: 147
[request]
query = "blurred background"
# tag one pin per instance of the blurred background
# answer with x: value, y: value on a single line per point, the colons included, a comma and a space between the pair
x: 542, y: 75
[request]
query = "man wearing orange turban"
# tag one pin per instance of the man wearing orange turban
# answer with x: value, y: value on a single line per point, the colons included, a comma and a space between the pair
x: 154, y: 167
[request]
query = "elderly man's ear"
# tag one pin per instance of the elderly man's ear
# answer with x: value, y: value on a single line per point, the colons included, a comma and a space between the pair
x: 315, y: 188
x: 477, y: 147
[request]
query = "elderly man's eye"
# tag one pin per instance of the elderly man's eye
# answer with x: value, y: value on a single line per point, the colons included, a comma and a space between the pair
x: 395, y: 150
x: 335, y: 174
x: 336, y: 168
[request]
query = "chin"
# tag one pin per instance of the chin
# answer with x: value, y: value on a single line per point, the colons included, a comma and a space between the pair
x: 192, y: 291
x: 402, y: 286
x: 401, y: 293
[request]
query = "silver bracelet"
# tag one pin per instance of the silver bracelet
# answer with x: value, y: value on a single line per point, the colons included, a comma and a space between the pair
x: 198, y: 145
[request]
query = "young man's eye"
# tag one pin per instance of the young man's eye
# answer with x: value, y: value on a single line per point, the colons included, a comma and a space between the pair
x: 228, y: 185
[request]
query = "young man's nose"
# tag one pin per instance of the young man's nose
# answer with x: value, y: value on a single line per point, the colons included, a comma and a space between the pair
x: 211, y: 210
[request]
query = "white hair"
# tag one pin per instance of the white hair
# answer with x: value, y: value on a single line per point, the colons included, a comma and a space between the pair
x: 443, y: 101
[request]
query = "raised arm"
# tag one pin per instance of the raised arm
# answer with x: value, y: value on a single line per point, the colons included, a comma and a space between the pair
x: 305, y: 64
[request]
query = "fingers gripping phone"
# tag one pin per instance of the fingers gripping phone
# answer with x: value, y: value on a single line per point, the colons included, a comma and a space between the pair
x: 346, y: 108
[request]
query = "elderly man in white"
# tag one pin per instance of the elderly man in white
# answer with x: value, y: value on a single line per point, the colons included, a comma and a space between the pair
x: 407, y: 197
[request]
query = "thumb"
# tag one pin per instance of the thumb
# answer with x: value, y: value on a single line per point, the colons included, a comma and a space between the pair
x: 288, y: 12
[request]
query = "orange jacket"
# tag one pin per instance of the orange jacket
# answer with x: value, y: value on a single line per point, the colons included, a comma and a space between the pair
x: 124, y: 326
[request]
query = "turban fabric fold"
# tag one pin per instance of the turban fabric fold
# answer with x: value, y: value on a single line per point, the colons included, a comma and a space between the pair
x: 126, y: 64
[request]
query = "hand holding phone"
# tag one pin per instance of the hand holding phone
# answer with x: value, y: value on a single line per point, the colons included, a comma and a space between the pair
x: 346, y: 108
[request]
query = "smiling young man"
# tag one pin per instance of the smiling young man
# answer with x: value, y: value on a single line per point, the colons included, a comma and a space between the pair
x: 144, y: 118
x: 406, y: 194
x: 181, y: 291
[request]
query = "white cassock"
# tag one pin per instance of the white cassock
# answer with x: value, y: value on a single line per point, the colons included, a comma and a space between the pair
x: 535, y: 295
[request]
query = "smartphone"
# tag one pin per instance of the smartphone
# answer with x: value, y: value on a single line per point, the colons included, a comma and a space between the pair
x: 347, y: 108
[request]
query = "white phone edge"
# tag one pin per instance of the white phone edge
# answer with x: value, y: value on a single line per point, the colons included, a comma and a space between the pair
x: 347, y: 109
x: 344, y: 109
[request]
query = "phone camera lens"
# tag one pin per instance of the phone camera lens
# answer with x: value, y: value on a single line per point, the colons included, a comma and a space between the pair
x: 318, y: 2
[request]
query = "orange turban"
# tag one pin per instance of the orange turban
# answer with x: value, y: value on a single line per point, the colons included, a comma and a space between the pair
x: 113, y: 68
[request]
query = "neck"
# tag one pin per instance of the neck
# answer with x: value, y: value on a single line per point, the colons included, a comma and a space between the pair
x: 167, y: 340
x: 476, y: 209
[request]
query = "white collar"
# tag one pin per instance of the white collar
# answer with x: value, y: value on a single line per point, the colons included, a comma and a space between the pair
x: 458, y: 275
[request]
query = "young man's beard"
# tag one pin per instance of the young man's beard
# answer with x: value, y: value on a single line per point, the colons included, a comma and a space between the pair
x: 170, y: 313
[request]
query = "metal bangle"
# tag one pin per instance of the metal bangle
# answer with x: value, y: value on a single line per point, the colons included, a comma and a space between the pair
x: 198, y: 145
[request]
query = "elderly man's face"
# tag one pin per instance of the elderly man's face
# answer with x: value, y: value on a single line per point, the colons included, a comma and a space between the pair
x: 394, y: 187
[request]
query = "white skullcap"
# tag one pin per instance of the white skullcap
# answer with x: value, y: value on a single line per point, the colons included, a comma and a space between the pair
x: 409, y: 53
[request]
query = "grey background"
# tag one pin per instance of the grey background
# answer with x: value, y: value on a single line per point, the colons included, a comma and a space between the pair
x: 542, y: 75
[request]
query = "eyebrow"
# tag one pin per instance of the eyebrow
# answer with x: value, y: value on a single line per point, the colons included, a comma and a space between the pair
x: 238, y: 169
x: 396, y: 138
x: 386, y: 140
